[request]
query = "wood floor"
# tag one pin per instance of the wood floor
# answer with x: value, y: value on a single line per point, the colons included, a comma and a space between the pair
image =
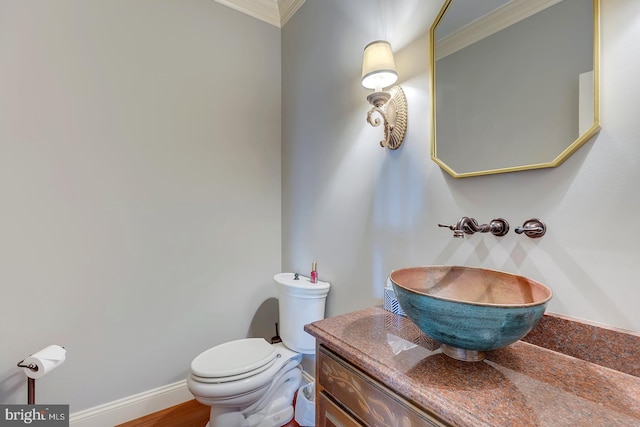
x: 188, y: 414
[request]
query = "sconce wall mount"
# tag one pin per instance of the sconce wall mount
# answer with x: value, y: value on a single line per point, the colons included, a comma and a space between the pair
x: 392, y: 108
x: 378, y: 72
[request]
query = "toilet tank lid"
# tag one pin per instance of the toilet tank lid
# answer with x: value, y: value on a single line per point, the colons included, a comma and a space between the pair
x: 288, y: 280
x: 233, y: 358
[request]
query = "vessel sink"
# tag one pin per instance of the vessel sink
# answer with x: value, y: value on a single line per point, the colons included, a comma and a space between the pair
x: 470, y: 310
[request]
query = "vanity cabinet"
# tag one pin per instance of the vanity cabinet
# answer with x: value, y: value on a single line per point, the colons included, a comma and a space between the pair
x: 362, y: 380
x: 332, y: 415
x: 348, y: 397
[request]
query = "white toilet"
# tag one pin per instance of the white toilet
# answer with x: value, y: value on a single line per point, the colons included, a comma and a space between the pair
x: 251, y: 383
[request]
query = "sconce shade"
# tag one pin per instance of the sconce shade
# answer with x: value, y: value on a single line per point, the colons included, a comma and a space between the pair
x: 378, y: 66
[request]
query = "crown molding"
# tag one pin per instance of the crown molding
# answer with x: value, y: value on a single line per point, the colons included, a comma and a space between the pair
x: 501, y: 18
x: 274, y: 12
x: 287, y: 9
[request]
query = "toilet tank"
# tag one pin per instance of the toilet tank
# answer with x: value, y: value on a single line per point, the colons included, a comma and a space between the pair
x: 300, y: 302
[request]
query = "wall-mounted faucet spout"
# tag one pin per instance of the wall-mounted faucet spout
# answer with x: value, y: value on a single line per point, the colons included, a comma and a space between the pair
x: 466, y: 225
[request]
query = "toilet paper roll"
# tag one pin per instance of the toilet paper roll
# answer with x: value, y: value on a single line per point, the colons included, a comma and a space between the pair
x: 45, y: 360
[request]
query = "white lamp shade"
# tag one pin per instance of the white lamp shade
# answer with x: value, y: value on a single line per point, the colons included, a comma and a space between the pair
x: 378, y: 66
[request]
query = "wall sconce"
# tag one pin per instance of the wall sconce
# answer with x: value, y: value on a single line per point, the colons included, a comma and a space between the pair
x: 378, y: 72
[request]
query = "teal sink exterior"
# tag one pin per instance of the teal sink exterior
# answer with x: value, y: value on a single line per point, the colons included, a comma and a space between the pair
x: 470, y: 309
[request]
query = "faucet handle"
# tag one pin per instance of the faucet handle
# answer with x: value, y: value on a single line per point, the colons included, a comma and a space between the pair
x: 533, y: 228
x: 450, y: 227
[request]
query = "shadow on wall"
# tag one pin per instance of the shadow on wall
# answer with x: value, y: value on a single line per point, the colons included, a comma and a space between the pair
x: 11, y: 385
x: 263, y: 324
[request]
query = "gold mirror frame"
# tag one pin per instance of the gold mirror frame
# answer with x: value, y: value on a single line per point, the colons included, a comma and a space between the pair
x: 564, y: 155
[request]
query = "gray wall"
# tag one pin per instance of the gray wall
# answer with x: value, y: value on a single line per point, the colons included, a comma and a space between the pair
x: 139, y: 189
x: 363, y: 211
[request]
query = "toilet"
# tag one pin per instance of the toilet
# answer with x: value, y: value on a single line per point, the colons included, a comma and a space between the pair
x: 250, y: 382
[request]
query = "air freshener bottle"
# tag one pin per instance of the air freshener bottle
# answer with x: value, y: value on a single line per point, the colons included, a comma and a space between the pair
x: 314, y: 272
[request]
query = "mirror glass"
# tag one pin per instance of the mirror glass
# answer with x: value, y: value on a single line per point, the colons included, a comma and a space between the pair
x: 514, y: 83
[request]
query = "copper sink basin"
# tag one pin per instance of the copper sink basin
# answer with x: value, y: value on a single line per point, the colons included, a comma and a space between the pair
x: 470, y: 310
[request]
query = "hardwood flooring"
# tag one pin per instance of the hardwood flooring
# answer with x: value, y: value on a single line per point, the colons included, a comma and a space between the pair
x: 188, y: 414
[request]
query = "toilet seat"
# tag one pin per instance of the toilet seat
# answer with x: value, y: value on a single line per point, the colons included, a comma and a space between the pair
x: 233, y: 361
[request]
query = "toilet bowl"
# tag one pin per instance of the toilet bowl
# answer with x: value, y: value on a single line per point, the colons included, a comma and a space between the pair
x: 251, y: 383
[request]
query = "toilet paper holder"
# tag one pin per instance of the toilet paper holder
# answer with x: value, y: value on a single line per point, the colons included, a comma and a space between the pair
x: 31, y: 382
x: 31, y: 366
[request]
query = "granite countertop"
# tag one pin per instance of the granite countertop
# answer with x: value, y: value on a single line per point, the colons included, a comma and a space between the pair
x: 520, y: 385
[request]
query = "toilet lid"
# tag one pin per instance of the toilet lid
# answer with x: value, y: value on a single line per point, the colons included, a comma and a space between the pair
x: 233, y: 358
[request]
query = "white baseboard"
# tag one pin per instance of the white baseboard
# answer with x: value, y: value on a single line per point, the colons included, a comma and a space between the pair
x: 141, y: 404
x: 132, y: 407
x: 307, y: 378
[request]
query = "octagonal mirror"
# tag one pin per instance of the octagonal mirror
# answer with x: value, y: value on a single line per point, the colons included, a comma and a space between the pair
x: 515, y: 84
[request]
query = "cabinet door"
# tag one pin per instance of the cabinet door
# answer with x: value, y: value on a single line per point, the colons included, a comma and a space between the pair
x: 331, y: 415
x: 370, y: 402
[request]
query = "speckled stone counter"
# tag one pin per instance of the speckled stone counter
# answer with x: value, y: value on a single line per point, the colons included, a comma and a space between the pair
x: 521, y: 385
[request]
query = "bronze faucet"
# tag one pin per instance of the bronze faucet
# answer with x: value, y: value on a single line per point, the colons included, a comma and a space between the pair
x: 467, y: 225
